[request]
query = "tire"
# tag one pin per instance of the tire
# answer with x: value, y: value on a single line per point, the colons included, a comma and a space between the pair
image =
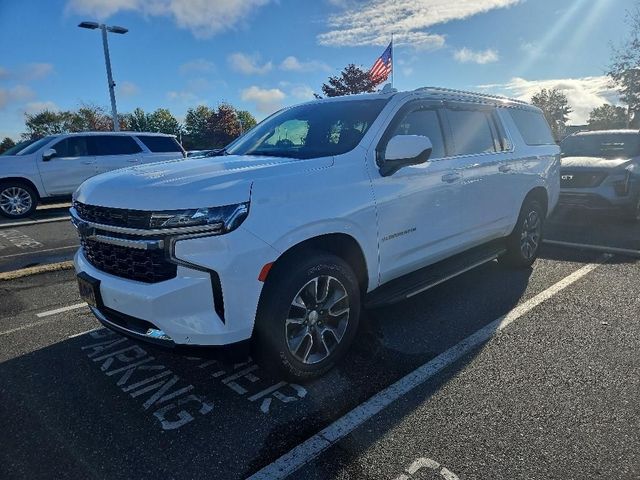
x: 523, y: 245
x: 295, y: 315
x: 17, y: 200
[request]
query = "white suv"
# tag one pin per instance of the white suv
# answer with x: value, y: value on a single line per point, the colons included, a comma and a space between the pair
x: 322, y: 208
x: 57, y: 164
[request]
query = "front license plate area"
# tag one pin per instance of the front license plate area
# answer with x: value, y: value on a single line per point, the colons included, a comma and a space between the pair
x: 89, y: 289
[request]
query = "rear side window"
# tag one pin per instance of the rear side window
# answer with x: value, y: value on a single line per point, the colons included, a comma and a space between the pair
x: 72, y: 147
x: 426, y: 123
x: 115, y: 145
x: 160, y: 144
x: 471, y: 132
x: 533, y: 127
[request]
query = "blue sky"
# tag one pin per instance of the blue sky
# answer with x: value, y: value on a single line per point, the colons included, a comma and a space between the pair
x: 262, y: 54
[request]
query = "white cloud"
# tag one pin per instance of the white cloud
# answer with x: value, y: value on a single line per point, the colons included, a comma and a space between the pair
x: 481, y: 57
x: 18, y: 93
x: 204, y: 18
x: 584, y: 94
x: 248, y: 64
x: 292, y: 64
x: 27, y: 72
x: 199, y: 65
x: 183, y: 96
x: 128, y: 89
x: 302, y: 92
x: 266, y: 100
x: 36, y: 107
x: 372, y: 22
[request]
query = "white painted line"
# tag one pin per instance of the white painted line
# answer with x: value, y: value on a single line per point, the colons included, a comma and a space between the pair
x: 84, y: 333
x: 28, y: 325
x: 40, y: 251
x: 61, y: 310
x: 35, y: 222
x: 318, y: 443
x: 596, y: 248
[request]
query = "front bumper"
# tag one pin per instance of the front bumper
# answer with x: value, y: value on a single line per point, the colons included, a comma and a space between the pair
x: 607, y: 196
x: 186, y: 307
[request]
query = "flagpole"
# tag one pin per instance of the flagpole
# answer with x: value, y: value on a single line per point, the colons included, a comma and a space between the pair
x: 393, y: 61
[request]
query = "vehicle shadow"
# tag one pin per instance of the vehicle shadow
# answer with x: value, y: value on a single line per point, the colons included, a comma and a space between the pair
x: 593, y: 228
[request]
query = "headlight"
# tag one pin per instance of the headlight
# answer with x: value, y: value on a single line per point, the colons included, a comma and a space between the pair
x: 221, y: 219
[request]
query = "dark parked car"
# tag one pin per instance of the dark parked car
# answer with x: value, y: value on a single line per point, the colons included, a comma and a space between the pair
x: 601, y: 171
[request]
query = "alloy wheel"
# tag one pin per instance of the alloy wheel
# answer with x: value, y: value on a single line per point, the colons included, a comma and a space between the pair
x: 15, y: 201
x: 318, y: 319
x: 530, y: 236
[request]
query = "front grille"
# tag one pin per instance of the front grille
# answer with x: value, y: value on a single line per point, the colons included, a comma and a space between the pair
x: 115, y: 217
x: 149, y: 266
x: 569, y: 179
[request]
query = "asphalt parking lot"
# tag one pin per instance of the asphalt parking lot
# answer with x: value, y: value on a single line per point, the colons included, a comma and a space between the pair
x: 494, y: 374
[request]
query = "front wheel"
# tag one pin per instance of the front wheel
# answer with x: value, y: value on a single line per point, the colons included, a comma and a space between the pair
x: 523, y: 245
x: 17, y: 200
x: 308, y: 316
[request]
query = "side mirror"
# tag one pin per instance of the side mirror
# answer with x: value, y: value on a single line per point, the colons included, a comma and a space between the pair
x: 48, y: 154
x: 405, y: 150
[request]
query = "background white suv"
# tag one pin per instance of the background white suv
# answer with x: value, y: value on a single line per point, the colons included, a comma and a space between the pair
x: 57, y: 164
x: 323, y: 207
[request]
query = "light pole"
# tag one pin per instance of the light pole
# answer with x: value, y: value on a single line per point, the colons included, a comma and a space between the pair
x: 107, y: 61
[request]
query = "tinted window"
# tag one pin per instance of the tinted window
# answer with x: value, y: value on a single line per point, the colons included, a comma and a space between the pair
x: 471, y: 131
x: 160, y: 144
x: 607, y: 145
x: 18, y: 147
x: 533, y: 127
x: 72, y: 147
x: 115, y: 145
x: 426, y: 123
x: 311, y: 130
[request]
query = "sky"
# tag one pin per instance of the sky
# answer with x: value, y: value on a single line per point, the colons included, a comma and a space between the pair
x: 260, y: 55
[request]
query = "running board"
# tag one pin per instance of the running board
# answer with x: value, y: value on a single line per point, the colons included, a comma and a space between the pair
x: 421, y: 280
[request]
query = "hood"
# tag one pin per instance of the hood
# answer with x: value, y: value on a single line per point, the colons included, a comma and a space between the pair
x: 595, y: 162
x: 190, y: 183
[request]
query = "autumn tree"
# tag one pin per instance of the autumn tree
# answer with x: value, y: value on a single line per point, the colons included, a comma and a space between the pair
x: 555, y: 106
x: 625, y: 67
x: 6, y: 144
x: 608, y: 117
x: 351, y: 80
x: 163, y: 121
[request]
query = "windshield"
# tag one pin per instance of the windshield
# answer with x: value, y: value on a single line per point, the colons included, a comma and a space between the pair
x: 35, y: 146
x: 311, y: 130
x: 607, y: 145
x: 18, y: 147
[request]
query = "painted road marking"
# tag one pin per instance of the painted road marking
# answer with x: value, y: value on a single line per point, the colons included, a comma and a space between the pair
x: 34, y: 222
x: 61, y: 310
x: 318, y: 443
x: 75, y: 335
x: 17, y: 239
x: 28, y: 325
x: 40, y: 251
x: 595, y: 248
x: 421, y: 463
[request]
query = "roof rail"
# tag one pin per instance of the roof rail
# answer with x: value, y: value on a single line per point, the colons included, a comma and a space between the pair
x: 467, y: 94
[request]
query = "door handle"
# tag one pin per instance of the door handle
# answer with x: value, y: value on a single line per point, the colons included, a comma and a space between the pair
x: 451, y: 177
x: 504, y: 168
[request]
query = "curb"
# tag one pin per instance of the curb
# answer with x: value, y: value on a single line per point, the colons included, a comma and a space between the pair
x: 27, y: 272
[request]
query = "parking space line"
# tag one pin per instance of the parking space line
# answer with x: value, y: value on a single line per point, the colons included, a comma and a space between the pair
x: 40, y: 251
x: 321, y: 441
x: 595, y: 248
x: 61, y: 310
x: 83, y: 333
x: 34, y: 222
x: 28, y: 325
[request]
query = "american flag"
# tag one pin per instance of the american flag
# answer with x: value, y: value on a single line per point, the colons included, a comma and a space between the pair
x: 382, y: 68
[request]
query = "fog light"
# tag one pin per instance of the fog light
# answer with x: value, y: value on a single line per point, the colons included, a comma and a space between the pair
x: 159, y: 334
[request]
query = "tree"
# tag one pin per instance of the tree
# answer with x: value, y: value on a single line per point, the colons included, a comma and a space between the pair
x: 138, y: 120
x: 608, y: 117
x: 162, y: 121
x: 351, y: 80
x: 223, y: 126
x: 88, y: 118
x: 6, y: 144
x: 625, y: 68
x: 555, y: 106
x: 195, y: 128
x: 247, y: 120
x: 46, y: 122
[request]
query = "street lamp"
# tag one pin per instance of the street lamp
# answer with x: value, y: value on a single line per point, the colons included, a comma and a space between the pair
x: 107, y: 61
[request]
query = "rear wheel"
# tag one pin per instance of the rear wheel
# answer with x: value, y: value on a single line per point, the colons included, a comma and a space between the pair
x: 17, y: 200
x: 308, y: 316
x: 523, y: 245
